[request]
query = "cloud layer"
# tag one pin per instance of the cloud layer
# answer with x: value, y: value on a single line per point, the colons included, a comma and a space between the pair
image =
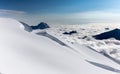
x: 65, y: 18
x: 3, y: 11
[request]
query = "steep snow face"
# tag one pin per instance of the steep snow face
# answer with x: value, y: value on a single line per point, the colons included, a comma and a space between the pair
x: 26, y: 27
x: 22, y: 52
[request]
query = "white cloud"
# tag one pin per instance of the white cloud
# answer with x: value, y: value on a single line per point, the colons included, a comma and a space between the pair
x: 93, y: 16
x: 77, y: 18
x: 68, y: 18
x: 3, y: 11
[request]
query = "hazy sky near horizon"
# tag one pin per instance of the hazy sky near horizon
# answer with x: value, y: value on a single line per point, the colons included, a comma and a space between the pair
x: 62, y: 11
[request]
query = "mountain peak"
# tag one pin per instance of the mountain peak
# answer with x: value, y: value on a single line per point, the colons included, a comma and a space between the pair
x: 42, y: 25
x: 110, y: 34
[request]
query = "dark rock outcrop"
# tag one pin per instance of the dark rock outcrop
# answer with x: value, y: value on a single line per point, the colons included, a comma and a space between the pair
x: 110, y: 34
x: 42, y: 25
x: 70, y: 33
x: 28, y: 28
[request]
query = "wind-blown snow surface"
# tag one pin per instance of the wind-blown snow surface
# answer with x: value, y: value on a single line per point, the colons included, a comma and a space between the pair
x: 22, y: 52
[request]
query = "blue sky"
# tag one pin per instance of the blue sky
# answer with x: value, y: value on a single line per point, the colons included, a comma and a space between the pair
x: 61, y: 11
x: 58, y: 6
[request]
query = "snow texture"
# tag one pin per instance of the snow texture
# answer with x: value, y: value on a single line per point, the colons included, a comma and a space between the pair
x: 23, y: 52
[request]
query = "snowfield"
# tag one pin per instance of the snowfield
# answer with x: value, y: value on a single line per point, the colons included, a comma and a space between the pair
x: 50, y: 52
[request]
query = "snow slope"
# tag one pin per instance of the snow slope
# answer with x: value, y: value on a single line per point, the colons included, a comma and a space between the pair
x: 22, y: 52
